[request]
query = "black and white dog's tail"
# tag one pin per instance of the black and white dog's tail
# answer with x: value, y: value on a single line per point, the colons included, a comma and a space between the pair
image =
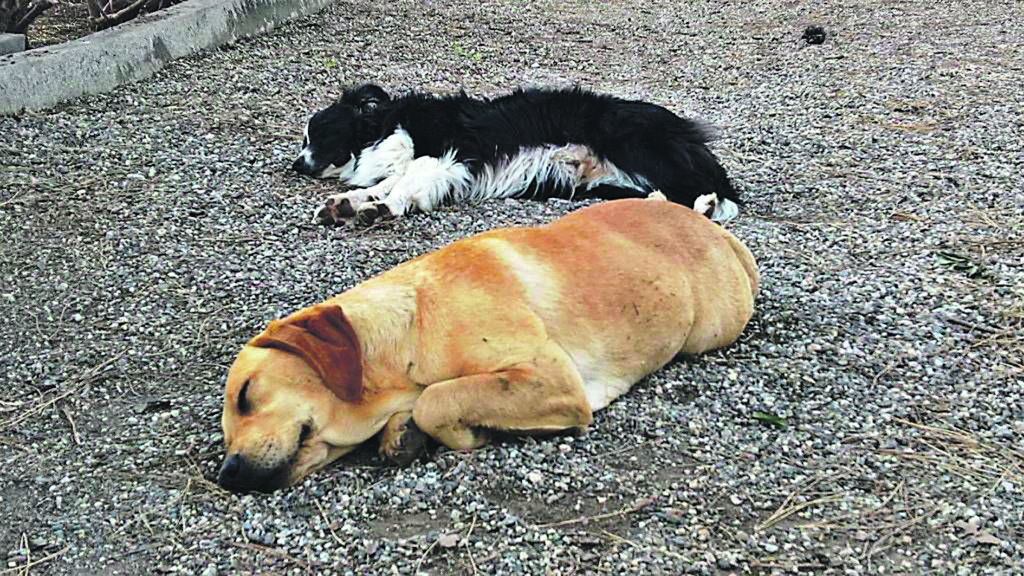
x: 630, y: 148
x: 670, y: 153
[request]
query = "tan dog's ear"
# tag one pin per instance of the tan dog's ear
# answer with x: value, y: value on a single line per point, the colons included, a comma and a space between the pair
x: 324, y: 338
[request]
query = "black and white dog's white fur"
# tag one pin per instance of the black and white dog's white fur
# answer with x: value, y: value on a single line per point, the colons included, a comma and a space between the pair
x: 417, y: 150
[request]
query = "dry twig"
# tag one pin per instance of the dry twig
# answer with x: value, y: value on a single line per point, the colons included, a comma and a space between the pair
x: 72, y: 387
x: 784, y: 513
x: 424, y: 556
x: 323, y: 514
x: 625, y: 511
x: 29, y: 564
x: 273, y: 552
x: 71, y: 421
x: 469, y: 551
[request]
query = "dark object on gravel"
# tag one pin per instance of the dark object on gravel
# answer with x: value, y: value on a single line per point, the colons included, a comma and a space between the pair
x: 814, y: 35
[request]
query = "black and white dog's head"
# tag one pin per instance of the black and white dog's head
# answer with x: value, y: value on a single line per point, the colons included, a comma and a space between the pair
x: 335, y: 135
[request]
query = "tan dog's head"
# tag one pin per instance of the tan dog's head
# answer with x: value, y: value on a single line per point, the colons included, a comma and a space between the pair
x: 294, y: 401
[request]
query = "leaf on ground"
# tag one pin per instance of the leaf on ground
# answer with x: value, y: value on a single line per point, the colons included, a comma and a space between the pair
x: 971, y: 267
x: 986, y: 538
x: 905, y: 216
x: 770, y: 419
x: 448, y: 540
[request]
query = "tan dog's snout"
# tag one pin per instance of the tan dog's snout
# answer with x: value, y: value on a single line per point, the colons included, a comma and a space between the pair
x: 238, y: 474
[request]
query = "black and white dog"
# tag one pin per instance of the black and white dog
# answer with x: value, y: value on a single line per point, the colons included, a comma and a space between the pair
x: 415, y: 151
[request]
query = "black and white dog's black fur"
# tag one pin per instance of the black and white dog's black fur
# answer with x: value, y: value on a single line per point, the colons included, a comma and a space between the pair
x: 417, y: 150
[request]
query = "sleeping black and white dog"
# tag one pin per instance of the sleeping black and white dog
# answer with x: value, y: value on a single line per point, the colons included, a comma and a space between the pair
x: 415, y: 151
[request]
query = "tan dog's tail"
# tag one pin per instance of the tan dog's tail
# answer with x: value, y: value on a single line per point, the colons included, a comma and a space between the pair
x: 747, y: 261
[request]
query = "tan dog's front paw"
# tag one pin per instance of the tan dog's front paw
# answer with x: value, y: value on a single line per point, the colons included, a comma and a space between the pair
x: 402, y: 441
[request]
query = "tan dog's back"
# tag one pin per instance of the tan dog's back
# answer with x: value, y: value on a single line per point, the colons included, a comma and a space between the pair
x: 622, y: 287
x: 675, y: 241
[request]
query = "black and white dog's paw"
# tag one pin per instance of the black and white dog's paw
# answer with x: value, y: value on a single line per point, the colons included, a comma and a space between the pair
x: 370, y: 212
x: 706, y: 204
x: 343, y: 208
x: 336, y: 210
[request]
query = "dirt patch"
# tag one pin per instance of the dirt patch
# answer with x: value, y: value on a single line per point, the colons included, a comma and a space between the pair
x: 65, y: 21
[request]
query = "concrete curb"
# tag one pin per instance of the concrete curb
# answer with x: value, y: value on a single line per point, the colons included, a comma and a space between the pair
x: 11, y: 43
x: 97, y: 63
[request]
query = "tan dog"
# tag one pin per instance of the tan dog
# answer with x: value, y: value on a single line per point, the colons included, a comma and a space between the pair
x: 520, y: 329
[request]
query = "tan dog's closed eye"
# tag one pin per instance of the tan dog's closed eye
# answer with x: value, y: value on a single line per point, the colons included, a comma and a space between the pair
x: 519, y: 330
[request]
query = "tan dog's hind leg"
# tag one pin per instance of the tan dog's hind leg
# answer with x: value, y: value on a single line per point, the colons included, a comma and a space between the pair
x: 545, y: 395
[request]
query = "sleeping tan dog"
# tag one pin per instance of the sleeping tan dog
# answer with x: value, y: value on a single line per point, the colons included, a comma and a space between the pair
x: 527, y: 330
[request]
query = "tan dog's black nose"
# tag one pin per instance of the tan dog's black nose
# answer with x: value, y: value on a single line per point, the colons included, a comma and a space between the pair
x: 231, y: 472
x: 239, y: 475
x: 230, y: 469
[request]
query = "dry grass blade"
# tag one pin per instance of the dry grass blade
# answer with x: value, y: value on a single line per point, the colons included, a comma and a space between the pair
x: 274, y: 552
x: 784, y: 513
x: 632, y: 544
x: 74, y: 428
x: 469, y: 550
x: 796, y: 567
x: 29, y: 564
x: 625, y: 511
x: 71, y: 387
x: 423, y: 557
x: 979, y: 463
x: 963, y: 440
x: 7, y: 406
x: 327, y: 522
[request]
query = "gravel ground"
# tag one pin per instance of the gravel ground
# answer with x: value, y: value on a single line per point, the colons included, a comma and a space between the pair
x: 150, y: 231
